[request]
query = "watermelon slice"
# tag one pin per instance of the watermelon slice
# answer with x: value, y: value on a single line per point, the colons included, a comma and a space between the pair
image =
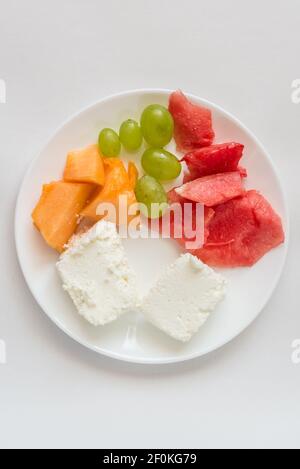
x: 213, y: 190
x: 189, y: 176
x: 241, y: 232
x: 220, y: 158
x: 174, y: 198
x: 192, y: 123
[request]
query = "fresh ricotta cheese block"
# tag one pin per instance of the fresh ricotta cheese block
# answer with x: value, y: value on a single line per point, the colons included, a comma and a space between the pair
x: 96, y: 274
x: 183, y: 297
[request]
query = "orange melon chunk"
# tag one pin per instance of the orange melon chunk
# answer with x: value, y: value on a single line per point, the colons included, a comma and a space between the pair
x: 117, y: 183
x: 116, y: 180
x: 56, y: 213
x: 85, y: 165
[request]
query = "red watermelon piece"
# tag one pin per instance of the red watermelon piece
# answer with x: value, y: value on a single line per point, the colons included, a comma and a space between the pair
x: 241, y: 232
x: 192, y: 175
x: 213, y: 190
x: 192, y: 123
x: 220, y: 158
x: 174, y: 198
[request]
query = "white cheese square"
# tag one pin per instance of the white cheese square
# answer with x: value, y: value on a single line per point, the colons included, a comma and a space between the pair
x: 96, y: 274
x: 183, y: 297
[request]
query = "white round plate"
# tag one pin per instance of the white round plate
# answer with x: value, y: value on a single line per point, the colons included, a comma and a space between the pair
x: 131, y: 338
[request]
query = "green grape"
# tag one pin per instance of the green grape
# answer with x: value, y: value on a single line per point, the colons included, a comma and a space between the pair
x: 157, y: 125
x: 152, y: 197
x: 161, y: 164
x: 131, y: 135
x: 109, y: 143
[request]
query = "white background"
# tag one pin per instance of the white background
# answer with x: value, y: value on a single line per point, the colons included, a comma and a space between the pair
x: 58, y: 56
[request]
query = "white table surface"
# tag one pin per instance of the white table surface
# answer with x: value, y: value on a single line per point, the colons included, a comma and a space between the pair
x: 58, y: 56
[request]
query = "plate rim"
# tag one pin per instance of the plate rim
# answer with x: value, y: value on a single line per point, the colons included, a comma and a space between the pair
x: 188, y: 356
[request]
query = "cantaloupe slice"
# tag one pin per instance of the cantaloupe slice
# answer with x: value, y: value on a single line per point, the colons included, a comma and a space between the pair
x: 133, y: 174
x: 119, y: 208
x: 56, y: 213
x: 85, y: 165
x: 117, y: 183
